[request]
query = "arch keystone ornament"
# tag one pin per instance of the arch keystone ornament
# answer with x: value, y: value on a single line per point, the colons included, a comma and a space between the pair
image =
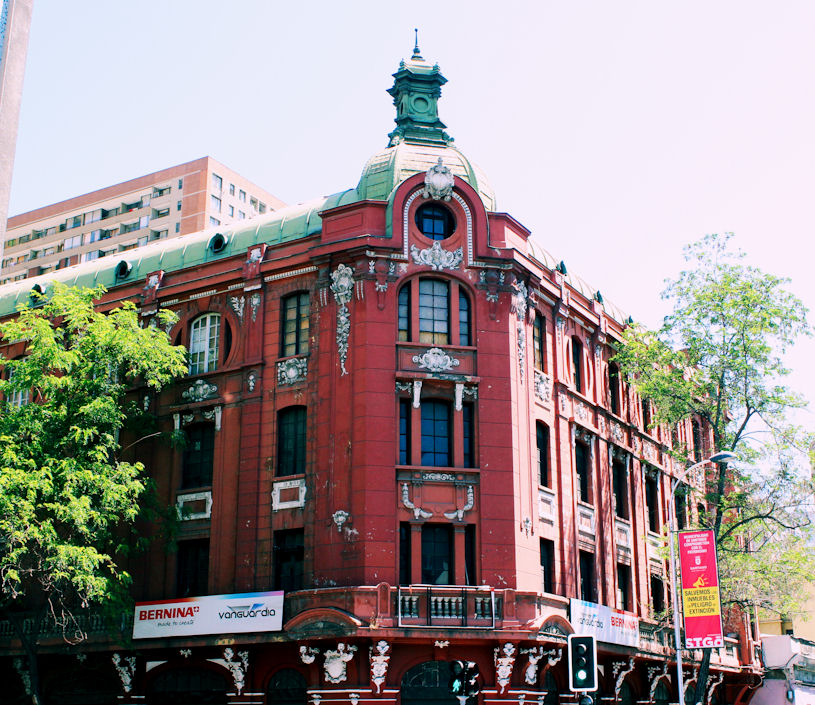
x: 436, y: 257
x: 436, y: 360
x: 438, y: 182
x: 336, y: 662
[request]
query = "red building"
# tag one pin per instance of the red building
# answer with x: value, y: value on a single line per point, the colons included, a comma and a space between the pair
x: 402, y: 413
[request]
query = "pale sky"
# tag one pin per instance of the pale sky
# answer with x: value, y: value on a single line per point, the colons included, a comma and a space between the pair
x: 615, y: 131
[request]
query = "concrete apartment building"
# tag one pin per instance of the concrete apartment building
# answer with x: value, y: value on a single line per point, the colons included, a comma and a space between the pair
x: 180, y: 199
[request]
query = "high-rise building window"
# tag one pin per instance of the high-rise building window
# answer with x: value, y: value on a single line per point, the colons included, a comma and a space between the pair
x: 619, y: 478
x: 217, y: 182
x: 214, y: 222
x: 436, y: 433
x: 215, y: 203
x: 287, y: 560
x: 204, y: 339
x: 547, y: 549
x: 180, y: 183
x: 295, y: 328
x: 192, y: 572
x: 542, y: 452
x: 539, y: 341
x: 291, y: 441
x: 441, y: 313
x: 198, y: 456
x: 437, y: 554
x: 624, y: 587
x: 242, y: 196
x: 582, y: 458
x: 178, y: 205
x: 177, y: 227
x: 577, y: 364
x: 17, y: 397
x: 652, y: 502
x: 587, y: 587
x: 231, y: 189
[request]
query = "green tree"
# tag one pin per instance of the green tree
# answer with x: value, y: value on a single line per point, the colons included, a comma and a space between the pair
x: 719, y: 356
x: 68, y: 501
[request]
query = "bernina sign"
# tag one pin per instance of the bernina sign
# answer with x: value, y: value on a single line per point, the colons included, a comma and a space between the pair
x: 605, y: 623
x: 212, y: 614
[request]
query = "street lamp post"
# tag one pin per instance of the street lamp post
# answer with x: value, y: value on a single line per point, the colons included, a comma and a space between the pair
x: 722, y: 457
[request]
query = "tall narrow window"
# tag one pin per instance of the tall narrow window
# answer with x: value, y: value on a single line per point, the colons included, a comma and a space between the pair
x: 624, y: 587
x: 469, y: 556
x: 404, y: 313
x: 404, y: 553
x: 619, y: 473
x: 434, y: 311
x: 542, y: 452
x: 436, y: 434
x: 577, y: 364
x: 681, y: 507
x: 652, y: 502
x: 581, y: 461
x: 295, y: 316
x: 614, y: 388
x: 587, y: 591
x: 192, y: 572
x: 287, y: 560
x: 437, y: 554
x: 464, y: 337
x: 539, y: 342
x: 404, y: 432
x: 657, y: 594
x: 468, y: 434
x: 291, y: 441
x: 697, y: 441
x: 645, y: 405
x: 204, y: 335
x: 547, y: 565
x: 198, y: 454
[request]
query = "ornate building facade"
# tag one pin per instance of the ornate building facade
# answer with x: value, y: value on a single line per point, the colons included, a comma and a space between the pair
x: 404, y: 415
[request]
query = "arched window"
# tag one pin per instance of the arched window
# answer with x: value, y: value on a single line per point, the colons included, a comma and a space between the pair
x: 435, y: 312
x: 204, y: 343
x: 577, y: 363
x: 291, y: 441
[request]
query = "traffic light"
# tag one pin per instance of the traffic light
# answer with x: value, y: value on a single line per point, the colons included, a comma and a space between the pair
x: 464, y: 679
x: 582, y: 663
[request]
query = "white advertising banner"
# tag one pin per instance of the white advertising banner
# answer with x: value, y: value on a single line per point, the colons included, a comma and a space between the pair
x: 605, y: 623
x: 212, y: 614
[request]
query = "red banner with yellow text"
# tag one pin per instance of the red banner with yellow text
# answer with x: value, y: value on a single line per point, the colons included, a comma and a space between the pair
x: 700, y: 590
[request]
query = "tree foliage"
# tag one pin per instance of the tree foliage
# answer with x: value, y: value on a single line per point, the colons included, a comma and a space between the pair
x: 65, y: 491
x: 719, y: 356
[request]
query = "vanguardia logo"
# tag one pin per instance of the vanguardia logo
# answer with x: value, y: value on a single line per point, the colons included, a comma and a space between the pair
x: 247, y: 611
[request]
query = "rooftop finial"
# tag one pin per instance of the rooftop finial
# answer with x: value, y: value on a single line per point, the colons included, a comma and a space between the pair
x: 416, y: 54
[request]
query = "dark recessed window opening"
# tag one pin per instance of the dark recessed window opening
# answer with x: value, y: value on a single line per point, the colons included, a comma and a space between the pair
x: 198, y: 454
x: 587, y: 592
x: 404, y: 553
x: 287, y: 560
x: 542, y: 450
x: 547, y: 565
x: 581, y: 461
x: 652, y: 503
x: 404, y: 431
x: 620, y: 481
x: 539, y: 342
x: 624, y: 587
x: 657, y: 594
x: 192, y: 573
x: 291, y: 442
x: 468, y: 435
x: 434, y: 221
x: 437, y: 554
x: 577, y: 364
x: 614, y: 388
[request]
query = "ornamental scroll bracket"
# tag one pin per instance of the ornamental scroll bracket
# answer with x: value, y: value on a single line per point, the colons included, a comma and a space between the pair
x: 619, y: 670
x: 436, y: 257
x: 504, y: 665
x: 418, y: 512
x: 459, y: 513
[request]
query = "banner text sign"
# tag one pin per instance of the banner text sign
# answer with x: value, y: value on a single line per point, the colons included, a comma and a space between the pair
x: 700, y: 590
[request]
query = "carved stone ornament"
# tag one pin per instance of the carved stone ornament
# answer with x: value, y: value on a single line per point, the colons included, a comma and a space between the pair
x: 199, y: 391
x: 619, y: 670
x: 308, y: 654
x: 543, y: 386
x: 504, y: 665
x: 581, y: 412
x: 340, y: 517
x: 379, y: 663
x: 534, y: 655
x: 712, y: 683
x: 23, y: 672
x: 254, y: 305
x: 336, y: 662
x: 616, y: 432
x: 438, y: 182
x: 436, y: 360
x: 436, y: 257
x: 238, y: 667
x: 342, y: 286
x: 655, y: 675
x: 459, y: 513
x: 126, y: 668
x: 238, y: 304
x: 251, y: 381
x: 292, y: 371
x: 418, y: 512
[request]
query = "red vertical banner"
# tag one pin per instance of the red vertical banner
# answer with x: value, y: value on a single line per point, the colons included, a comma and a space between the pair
x: 700, y: 590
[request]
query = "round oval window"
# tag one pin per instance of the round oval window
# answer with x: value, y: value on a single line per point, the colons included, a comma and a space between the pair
x: 435, y: 221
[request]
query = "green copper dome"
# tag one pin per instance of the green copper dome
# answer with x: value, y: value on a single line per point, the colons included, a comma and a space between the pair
x: 419, y: 138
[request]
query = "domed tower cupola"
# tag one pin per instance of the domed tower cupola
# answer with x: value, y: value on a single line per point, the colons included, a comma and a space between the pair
x: 416, y: 92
